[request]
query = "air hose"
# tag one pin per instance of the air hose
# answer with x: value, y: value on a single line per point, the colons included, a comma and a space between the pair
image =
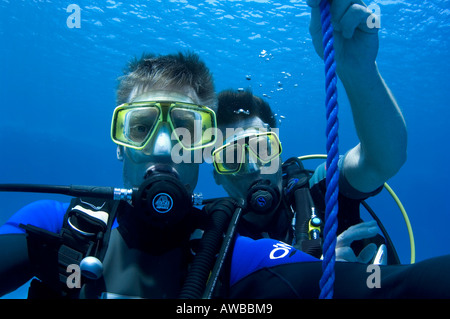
x: 221, y: 211
x: 331, y: 195
x: 200, y: 268
x: 394, y: 197
x: 71, y: 190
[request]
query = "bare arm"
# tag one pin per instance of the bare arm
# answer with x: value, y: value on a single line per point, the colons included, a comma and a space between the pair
x: 381, y: 130
x: 378, y: 120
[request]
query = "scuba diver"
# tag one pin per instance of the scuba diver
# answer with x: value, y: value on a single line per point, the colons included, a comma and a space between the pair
x: 276, y: 197
x: 139, y: 250
x: 282, y: 201
x: 291, y: 193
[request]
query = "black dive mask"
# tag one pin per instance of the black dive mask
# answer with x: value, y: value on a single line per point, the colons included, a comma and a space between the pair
x: 263, y: 197
x: 162, y: 198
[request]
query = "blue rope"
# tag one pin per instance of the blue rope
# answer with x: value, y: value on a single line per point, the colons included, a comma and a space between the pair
x: 331, y: 195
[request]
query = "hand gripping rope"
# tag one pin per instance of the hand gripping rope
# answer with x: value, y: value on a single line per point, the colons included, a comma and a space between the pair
x: 332, y: 178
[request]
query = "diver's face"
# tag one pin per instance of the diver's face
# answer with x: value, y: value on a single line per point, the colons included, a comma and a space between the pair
x: 159, y: 149
x: 238, y: 184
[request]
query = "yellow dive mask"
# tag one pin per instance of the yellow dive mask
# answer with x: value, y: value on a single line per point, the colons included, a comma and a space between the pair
x: 262, y: 148
x: 134, y: 124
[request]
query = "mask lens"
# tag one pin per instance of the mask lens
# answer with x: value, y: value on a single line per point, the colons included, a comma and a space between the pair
x: 192, y: 125
x: 187, y: 126
x: 133, y: 127
x: 139, y: 124
x: 265, y: 146
x: 228, y: 159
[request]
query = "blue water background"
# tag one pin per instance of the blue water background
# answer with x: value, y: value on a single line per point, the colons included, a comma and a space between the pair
x: 57, y: 91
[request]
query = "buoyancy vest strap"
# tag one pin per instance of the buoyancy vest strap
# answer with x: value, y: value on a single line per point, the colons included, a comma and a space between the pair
x: 85, y: 232
x: 100, y: 217
x: 43, y: 249
x: 89, y: 221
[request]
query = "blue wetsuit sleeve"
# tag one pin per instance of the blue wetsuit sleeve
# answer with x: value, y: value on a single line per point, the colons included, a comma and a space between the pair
x: 46, y: 214
x: 251, y: 255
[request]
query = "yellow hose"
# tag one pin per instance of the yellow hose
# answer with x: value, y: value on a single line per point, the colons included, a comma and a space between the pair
x: 396, y: 199
x: 406, y: 218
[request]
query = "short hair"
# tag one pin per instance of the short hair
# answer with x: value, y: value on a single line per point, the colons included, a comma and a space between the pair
x: 234, y: 106
x: 162, y: 71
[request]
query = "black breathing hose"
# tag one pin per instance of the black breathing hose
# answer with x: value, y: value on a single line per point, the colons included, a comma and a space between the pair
x: 71, y: 190
x: 210, y: 244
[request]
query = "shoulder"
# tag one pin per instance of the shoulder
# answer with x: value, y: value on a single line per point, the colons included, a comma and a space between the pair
x: 251, y: 255
x: 47, y: 214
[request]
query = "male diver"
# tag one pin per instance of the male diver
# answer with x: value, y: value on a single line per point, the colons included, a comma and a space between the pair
x: 248, y: 166
x: 363, y: 169
x: 161, y: 113
x: 281, y: 200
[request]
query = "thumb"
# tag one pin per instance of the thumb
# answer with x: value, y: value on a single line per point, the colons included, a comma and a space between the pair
x: 367, y: 254
x: 313, y: 3
x: 315, y: 29
x: 357, y: 232
x: 345, y: 254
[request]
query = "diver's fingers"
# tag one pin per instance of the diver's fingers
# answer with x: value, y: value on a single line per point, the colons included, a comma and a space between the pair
x: 345, y: 254
x: 356, y: 16
x: 367, y: 254
x: 313, y: 3
x: 346, y: 16
x: 315, y: 29
x: 357, y: 232
x: 315, y: 24
x: 339, y: 10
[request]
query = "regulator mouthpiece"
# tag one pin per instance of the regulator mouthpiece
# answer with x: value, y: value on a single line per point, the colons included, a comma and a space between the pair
x: 162, y: 197
x: 263, y: 198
